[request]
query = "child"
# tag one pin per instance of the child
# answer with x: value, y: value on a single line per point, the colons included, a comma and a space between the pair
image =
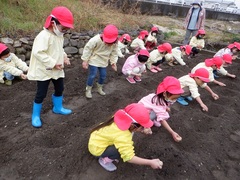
x: 157, y: 57
x: 47, y: 62
x: 227, y: 59
x: 159, y: 104
x: 197, y: 43
x: 96, y: 55
x: 210, y: 65
x: 139, y: 42
x: 151, y: 41
x: 177, y: 55
x: 190, y: 84
x: 112, y: 139
x: 123, y: 42
x: 10, y: 66
x: 231, y: 49
x: 134, y: 66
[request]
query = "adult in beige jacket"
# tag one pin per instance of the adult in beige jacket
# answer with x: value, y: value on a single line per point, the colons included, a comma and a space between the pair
x: 96, y: 55
x: 47, y: 62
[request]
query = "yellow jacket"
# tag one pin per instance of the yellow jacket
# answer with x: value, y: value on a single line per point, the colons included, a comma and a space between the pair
x: 97, y: 53
x: 112, y: 135
x: 176, y: 55
x: 15, y: 67
x: 47, y: 51
x: 155, y: 56
x: 194, y: 42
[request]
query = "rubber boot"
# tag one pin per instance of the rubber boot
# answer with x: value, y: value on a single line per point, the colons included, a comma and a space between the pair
x: 88, y: 93
x: 181, y: 101
x: 100, y: 89
x: 58, y: 107
x: 36, y: 121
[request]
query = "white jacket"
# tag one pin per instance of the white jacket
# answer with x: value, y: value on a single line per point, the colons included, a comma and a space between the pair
x: 47, y: 51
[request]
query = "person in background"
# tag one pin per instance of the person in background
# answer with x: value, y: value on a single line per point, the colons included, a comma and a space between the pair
x: 197, y: 43
x: 134, y: 66
x: 151, y: 41
x: 157, y: 57
x: 113, y: 140
x: 190, y: 84
x: 232, y: 49
x: 194, y: 20
x: 47, y: 62
x: 139, y: 42
x: 96, y: 55
x: 210, y: 64
x: 10, y: 66
x: 168, y: 91
x: 176, y: 57
x: 123, y: 43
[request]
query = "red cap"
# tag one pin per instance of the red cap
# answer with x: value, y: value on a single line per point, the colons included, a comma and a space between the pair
x: 125, y: 36
x: 227, y: 58
x: 144, y: 52
x: 143, y: 34
x: 3, y: 47
x: 201, y: 32
x: 63, y: 15
x: 133, y: 113
x: 171, y: 85
x: 217, y: 61
x: 165, y: 47
x: 187, y: 48
x: 202, y: 74
x: 234, y: 45
x: 110, y: 33
x: 154, y: 28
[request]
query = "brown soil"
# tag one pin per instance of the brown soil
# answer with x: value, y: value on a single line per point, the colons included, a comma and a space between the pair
x: 58, y: 150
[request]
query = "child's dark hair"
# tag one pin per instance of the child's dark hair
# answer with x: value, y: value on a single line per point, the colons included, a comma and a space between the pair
x: 106, y: 123
x: 159, y: 99
x: 110, y: 121
x: 5, y: 52
x: 55, y: 20
x: 142, y: 58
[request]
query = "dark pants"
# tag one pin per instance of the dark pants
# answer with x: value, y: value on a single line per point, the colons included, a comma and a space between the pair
x: 195, y: 51
x: 111, y: 152
x: 42, y: 88
x: 159, y: 62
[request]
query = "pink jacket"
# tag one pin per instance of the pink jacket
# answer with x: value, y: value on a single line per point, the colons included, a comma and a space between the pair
x: 131, y: 63
x: 161, y: 111
x: 201, y: 18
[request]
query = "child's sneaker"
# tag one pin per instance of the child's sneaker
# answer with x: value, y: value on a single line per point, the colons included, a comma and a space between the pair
x: 153, y: 70
x: 131, y: 80
x: 107, y: 164
x: 158, y: 68
x: 170, y: 64
x: 8, y: 82
x: 156, y: 123
x: 189, y: 98
x: 181, y: 101
x: 137, y: 78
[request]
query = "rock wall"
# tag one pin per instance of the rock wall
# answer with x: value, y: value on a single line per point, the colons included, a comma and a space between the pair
x: 74, y: 43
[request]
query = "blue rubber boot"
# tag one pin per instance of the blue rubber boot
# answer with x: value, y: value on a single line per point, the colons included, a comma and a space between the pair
x: 57, y: 106
x: 181, y: 101
x: 189, y: 98
x: 36, y: 121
